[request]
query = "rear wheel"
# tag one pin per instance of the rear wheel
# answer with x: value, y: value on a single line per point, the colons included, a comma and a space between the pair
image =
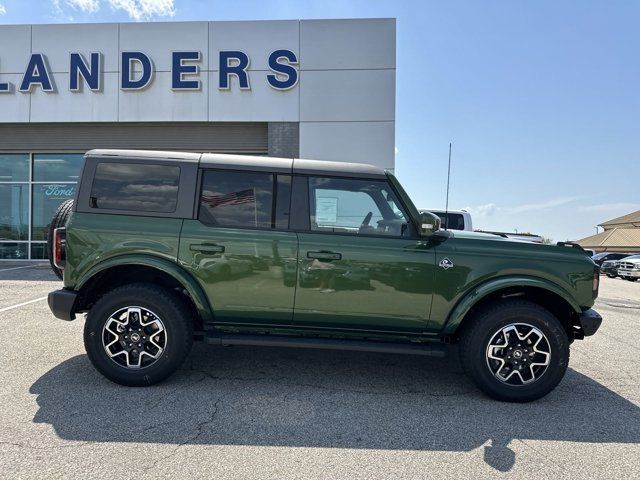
x: 610, y: 275
x: 139, y: 334
x: 58, y: 220
x: 515, y: 351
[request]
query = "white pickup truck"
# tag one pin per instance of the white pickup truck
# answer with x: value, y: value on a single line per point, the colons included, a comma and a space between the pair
x: 453, y: 219
x: 629, y: 268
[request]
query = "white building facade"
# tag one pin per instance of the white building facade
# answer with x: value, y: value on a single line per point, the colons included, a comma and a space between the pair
x: 321, y: 89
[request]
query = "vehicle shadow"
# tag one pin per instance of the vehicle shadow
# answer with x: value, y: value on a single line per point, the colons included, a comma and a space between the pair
x: 304, y: 398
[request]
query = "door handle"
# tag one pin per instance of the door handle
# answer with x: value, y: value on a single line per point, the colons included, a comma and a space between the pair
x: 206, y: 248
x: 325, y: 256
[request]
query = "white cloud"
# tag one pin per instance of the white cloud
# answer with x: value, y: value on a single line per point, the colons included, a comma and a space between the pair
x: 611, y: 207
x: 138, y: 10
x: 58, y: 12
x: 491, y: 208
x: 483, y: 210
x: 562, y: 218
x: 535, y: 207
x: 145, y: 9
x: 3, y: 10
x: 87, y: 6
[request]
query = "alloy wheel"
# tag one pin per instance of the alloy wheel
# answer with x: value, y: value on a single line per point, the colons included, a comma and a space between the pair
x: 518, y: 354
x: 134, y: 337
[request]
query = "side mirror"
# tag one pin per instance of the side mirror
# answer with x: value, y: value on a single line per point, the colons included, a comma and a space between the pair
x: 429, y: 224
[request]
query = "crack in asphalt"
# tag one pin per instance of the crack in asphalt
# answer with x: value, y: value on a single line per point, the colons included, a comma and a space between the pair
x: 622, y: 305
x: 169, y: 394
x: 199, y: 430
x: 50, y: 447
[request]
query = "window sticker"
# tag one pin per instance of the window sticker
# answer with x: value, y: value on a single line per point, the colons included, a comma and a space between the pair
x: 326, y: 210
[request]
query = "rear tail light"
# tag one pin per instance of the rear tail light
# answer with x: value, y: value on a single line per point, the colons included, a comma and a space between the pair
x: 596, y: 281
x: 59, y: 247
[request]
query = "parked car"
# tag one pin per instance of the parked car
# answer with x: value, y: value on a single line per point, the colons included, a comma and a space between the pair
x: 155, y: 250
x: 610, y: 268
x: 600, y: 258
x: 453, y: 219
x: 629, y: 268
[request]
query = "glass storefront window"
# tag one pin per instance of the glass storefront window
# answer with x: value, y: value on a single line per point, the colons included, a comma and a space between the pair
x: 14, y: 167
x: 14, y: 251
x: 39, y: 251
x: 57, y: 167
x: 14, y: 212
x: 46, y: 200
x: 32, y: 187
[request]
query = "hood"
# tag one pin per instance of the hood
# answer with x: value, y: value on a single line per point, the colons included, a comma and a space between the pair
x: 484, y: 236
x: 504, y: 245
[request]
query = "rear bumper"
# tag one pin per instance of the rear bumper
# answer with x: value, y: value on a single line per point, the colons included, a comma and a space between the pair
x: 590, y: 321
x: 62, y: 302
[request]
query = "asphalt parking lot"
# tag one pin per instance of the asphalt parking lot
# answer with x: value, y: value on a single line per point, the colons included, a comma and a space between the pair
x: 283, y: 413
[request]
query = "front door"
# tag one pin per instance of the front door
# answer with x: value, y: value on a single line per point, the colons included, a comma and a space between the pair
x: 239, y: 248
x: 361, y: 265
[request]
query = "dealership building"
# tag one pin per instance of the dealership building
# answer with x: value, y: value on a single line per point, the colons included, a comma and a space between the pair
x: 321, y: 89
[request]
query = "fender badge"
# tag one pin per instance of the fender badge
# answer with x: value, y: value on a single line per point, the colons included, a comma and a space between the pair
x: 446, y: 263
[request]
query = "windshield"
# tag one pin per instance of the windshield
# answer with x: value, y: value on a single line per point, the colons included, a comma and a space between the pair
x: 412, y: 210
x: 632, y: 257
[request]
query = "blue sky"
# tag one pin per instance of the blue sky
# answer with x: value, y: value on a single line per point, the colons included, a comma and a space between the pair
x: 541, y: 99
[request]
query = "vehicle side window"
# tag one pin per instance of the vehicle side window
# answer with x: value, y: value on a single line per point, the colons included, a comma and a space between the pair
x: 361, y: 207
x: 245, y: 199
x: 135, y: 186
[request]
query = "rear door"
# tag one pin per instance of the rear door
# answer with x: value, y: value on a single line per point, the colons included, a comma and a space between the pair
x: 239, y: 247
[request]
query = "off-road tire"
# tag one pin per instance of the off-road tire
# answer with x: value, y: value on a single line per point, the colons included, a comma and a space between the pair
x: 167, y: 305
x: 485, y: 323
x: 58, y: 220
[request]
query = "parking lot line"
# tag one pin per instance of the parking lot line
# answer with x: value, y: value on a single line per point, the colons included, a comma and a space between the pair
x: 16, y: 268
x: 11, y: 307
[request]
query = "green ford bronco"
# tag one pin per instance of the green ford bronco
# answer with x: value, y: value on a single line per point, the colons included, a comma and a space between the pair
x: 160, y: 249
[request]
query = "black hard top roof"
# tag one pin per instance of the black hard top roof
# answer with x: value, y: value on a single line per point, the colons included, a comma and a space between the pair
x: 247, y: 162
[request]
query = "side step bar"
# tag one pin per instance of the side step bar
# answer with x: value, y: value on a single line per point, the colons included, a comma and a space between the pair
x: 426, y: 349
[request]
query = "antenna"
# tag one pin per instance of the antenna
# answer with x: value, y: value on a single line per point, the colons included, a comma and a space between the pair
x: 446, y: 209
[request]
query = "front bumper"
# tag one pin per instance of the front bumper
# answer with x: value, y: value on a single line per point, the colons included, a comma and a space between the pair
x: 62, y: 303
x: 589, y: 321
x: 629, y: 273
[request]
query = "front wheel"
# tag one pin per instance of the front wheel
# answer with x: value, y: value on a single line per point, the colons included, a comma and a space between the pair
x: 139, y: 334
x: 515, y: 351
